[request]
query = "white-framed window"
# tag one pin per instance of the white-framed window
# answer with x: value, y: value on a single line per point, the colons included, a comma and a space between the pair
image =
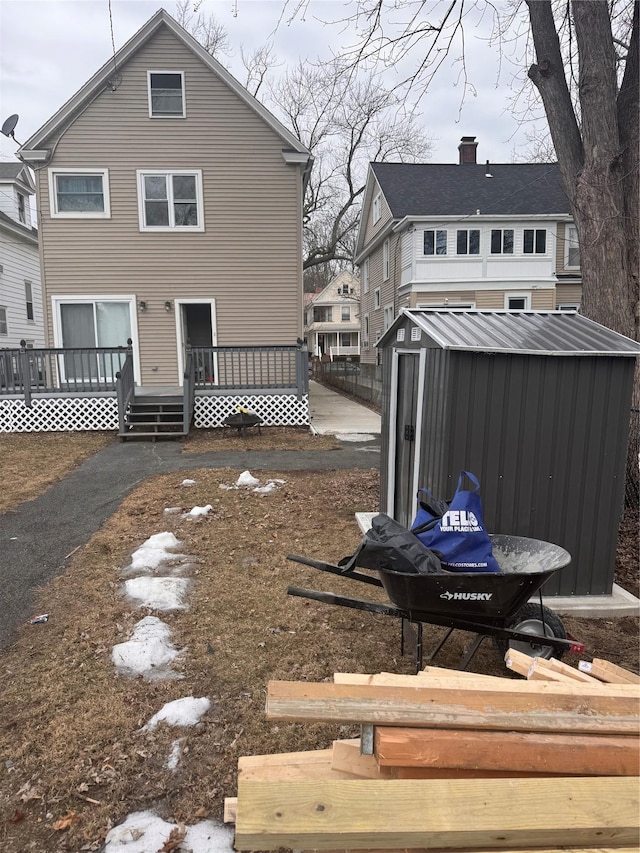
x: 387, y: 316
x: 385, y: 260
x: 22, y: 210
x: 434, y: 242
x: 468, y: 241
x: 166, y: 94
x: 568, y: 306
x: 377, y: 207
x: 28, y: 298
x: 345, y: 313
x: 571, y: 247
x: 534, y: 241
x: 79, y: 193
x: 170, y: 200
x: 376, y: 298
x: 517, y: 301
x: 365, y: 333
x: 502, y: 241
x: 365, y: 276
x: 4, y: 327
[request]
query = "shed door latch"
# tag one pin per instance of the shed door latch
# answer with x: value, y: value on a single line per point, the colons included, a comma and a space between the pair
x: 409, y: 432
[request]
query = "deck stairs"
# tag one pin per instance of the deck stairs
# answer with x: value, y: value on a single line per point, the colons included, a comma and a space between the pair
x: 155, y: 416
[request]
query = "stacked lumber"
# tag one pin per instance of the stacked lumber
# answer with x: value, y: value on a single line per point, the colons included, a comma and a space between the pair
x: 450, y: 760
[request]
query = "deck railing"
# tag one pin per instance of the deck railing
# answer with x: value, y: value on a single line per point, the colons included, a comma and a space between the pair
x: 125, y: 389
x: 261, y: 367
x: 189, y: 392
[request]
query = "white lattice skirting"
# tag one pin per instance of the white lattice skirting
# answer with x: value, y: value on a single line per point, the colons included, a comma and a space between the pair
x: 274, y: 409
x: 59, y: 414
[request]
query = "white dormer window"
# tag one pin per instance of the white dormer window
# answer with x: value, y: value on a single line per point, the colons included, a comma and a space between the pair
x: 377, y: 207
x: 22, y: 209
x: 166, y: 94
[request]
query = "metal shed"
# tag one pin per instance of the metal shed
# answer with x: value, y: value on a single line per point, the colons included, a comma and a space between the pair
x: 535, y: 404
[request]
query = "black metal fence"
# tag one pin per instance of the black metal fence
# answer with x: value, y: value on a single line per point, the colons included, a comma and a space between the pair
x: 352, y: 377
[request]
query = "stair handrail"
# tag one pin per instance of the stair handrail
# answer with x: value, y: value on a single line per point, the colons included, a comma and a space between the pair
x: 125, y: 387
x: 189, y: 390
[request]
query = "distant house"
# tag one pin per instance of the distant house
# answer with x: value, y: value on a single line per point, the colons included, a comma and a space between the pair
x: 332, y: 321
x: 171, y: 217
x: 20, y: 290
x: 464, y: 235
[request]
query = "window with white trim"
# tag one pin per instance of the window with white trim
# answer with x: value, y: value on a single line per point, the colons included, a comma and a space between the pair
x: 4, y: 327
x: 79, y: 193
x: 376, y: 298
x: 571, y: 247
x: 377, y: 207
x: 22, y: 210
x: 385, y: 260
x: 170, y: 200
x: 387, y: 317
x: 166, y: 94
x: 365, y: 333
x: 365, y: 276
x: 517, y: 301
x: 468, y: 241
x: 434, y: 242
x: 534, y: 241
x: 568, y: 306
x: 28, y: 298
x: 502, y: 241
x: 345, y: 313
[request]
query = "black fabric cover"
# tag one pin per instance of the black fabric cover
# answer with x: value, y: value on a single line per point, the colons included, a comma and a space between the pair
x: 388, y: 546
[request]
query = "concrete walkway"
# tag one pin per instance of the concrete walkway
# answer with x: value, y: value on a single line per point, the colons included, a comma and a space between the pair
x: 336, y: 414
x: 38, y: 536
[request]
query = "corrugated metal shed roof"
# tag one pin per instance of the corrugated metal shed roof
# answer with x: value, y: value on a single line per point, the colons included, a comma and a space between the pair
x: 526, y: 332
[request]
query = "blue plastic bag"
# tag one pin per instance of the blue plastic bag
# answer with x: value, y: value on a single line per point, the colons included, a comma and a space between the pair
x: 455, y: 529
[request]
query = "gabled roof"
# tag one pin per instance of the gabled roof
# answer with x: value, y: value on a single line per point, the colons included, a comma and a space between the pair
x: 67, y: 113
x: 557, y: 333
x: 329, y: 292
x: 16, y: 173
x: 431, y: 189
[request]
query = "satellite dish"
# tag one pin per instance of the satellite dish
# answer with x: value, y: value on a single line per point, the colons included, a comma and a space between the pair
x: 9, y: 125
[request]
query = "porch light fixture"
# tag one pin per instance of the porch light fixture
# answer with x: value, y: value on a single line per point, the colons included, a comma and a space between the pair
x: 142, y: 305
x: 167, y: 306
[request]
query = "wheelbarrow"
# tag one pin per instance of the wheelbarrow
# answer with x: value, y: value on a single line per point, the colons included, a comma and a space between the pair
x: 488, y: 605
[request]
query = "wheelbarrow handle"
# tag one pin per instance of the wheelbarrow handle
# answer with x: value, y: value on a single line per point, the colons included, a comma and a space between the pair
x: 334, y: 570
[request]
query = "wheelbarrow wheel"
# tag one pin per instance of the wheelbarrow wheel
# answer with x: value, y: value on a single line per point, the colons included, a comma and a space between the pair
x: 530, y: 620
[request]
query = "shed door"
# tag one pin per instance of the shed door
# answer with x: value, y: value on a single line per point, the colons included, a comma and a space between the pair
x: 406, y: 437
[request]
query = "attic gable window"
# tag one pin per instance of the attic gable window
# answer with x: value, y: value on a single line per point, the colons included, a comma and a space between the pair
x: 166, y: 94
x: 79, y: 193
x: 377, y: 207
x: 170, y: 201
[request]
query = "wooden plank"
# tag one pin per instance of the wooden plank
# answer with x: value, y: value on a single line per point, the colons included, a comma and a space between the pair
x: 575, y: 755
x: 420, y: 680
x: 553, y: 849
x: 609, y: 672
x: 281, y: 766
x: 431, y: 813
x: 534, y: 668
x: 571, y: 671
x: 431, y: 671
x: 230, y: 810
x: 528, y: 706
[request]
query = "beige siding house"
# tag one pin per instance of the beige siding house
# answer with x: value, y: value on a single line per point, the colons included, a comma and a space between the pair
x: 332, y: 319
x: 465, y: 236
x: 171, y: 211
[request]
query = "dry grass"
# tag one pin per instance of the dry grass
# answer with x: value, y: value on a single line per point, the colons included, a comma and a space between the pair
x: 31, y: 462
x: 269, y: 438
x: 70, y: 727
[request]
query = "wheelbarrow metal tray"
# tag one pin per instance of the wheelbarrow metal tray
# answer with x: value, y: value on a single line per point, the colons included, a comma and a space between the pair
x: 525, y: 566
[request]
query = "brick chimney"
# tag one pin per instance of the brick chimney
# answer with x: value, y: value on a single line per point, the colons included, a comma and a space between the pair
x: 467, y: 149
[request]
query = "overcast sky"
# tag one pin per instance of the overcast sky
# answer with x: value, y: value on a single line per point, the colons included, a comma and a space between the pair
x: 50, y: 48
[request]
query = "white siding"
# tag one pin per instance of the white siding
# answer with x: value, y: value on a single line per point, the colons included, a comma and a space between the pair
x: 20, y: 262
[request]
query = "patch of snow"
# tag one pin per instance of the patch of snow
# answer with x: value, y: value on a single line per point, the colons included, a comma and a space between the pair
x: 226, y: 487
x: 158, y: 593
x: 175, y: 755
x: 157, y: 549
x: 149, y: 652
x: 181, y: 712
x: 265, y: 490
x: 247, y: 479
x: 357, y: 436
x: 199, y: 511
x: 145, y: 832
x: 188, y: 482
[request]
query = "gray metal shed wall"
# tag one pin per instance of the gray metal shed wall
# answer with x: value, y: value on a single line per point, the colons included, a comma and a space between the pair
x: 547, y: 438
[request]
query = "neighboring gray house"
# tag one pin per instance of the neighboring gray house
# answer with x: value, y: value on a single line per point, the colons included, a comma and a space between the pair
x: 465, y: 235
x: 171, y: 215
x: 20, y: 291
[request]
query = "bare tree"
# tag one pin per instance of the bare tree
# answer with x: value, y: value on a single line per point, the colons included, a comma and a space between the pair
x: 211, y: 34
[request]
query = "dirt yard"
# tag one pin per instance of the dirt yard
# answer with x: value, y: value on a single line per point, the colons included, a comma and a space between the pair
x: 70, y: 740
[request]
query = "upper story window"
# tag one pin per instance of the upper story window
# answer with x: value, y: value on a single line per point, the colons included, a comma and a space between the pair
x: 170, y: 201
x: 385, y: 260
x: 79, y: 193
x: 365, y: 333
x: 502, y: 241
x: 517, y: 301
x: 468, y: 242
x: 534, y: 241
x: 376, y: 298
x: 572, y: 248
x: 388, y: 316
x: 322, y: 314
x: 28, y: 298
x: 345, y: 313
x: 4, y: 329
x: 365, y: 276
x: 434, y: 243
x: 166, y: 94
x: 377, y: 207
x: 22, y: 211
